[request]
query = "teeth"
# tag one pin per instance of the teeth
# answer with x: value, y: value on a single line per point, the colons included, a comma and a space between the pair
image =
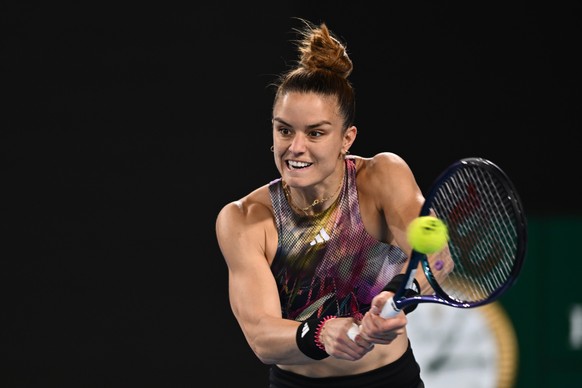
x: 296, y: 164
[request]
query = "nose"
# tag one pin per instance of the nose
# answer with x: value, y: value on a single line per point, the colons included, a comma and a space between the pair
x: 298, y: 144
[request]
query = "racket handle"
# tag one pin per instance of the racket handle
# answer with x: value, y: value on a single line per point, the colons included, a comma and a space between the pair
x: 388, y: 311
x: 353, y: 332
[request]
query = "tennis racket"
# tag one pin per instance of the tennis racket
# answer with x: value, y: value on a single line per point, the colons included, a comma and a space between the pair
x: 487, y: 239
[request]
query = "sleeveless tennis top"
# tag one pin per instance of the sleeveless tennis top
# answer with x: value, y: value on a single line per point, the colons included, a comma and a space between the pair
x: 327, y: 264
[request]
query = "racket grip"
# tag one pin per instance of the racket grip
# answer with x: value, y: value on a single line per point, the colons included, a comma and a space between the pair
x: 353, y: 331
x: 389, y: 309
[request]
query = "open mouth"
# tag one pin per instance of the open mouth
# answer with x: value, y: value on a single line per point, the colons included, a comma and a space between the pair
x: 295, y: 165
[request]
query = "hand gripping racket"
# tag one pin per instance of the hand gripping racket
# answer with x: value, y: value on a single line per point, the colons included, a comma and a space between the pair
x: 487, y: 239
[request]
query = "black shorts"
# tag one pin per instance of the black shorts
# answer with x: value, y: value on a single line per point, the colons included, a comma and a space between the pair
x: 402, y: 373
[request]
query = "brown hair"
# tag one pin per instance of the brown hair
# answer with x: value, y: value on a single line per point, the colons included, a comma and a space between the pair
x: 323, y: 68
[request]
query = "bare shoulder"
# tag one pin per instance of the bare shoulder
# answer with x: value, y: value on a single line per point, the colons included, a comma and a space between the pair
x: 383, y: 168
x: 246, y: 227
x: 388, y: 196
x: 247, y: 210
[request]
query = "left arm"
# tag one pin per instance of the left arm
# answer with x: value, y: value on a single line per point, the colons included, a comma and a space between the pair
x: 398, y: 201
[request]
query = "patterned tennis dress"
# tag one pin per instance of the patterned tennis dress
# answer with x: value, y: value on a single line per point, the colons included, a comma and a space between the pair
x: 327, y: 264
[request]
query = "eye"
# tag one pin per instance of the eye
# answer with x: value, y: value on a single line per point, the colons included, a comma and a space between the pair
x: 284, y: 131
x: 315, y: 134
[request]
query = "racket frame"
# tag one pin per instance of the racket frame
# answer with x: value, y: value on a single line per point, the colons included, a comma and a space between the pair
x: 398, y: 301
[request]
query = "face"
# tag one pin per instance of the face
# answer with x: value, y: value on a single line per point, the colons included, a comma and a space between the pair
x: 308, y: 140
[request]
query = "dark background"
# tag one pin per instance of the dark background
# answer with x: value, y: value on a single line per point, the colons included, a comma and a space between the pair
x: 126, y: 129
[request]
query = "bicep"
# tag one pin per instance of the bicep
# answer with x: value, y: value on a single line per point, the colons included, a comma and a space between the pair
x: 252, y: 289
x: 401, y: 199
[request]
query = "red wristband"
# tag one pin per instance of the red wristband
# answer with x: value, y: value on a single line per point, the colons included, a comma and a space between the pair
x: 318, y: 331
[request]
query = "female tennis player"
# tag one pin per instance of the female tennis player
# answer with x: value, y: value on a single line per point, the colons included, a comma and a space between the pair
x: 310, y: 252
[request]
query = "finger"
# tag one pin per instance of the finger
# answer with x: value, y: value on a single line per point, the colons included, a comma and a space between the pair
x: 363, y: 342
x: 360, y: 345
x: 352, y: 353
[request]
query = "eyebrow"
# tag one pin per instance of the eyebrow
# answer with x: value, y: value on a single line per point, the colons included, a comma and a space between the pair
x: 311, y: 126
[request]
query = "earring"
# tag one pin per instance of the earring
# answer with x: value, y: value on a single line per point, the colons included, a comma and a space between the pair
x: 272, y: 148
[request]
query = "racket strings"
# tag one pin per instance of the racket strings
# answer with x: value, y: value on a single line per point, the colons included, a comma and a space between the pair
x: 479, y: 212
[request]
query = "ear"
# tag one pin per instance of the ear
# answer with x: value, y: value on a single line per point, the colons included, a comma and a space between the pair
x: 349, y: 138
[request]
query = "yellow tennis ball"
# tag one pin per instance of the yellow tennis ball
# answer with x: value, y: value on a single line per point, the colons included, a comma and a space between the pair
x: 427, y: 234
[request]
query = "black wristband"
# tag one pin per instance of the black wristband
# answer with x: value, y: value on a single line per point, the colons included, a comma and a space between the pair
x: 307, y: 338
x: 394, y: 285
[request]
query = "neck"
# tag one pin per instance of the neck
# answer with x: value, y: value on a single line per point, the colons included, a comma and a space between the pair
x: 310, y: 209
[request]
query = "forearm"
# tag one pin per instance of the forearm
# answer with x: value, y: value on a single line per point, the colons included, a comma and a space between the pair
x: 273, y: 340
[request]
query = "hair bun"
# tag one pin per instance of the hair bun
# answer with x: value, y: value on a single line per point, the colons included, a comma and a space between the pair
x: 321, y: 50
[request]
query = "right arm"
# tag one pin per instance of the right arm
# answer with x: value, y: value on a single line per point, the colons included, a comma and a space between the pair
x: 241, y: 233
x: 244, y: 230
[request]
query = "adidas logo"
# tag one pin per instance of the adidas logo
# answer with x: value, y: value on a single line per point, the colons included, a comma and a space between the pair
x: 321, y: 237
x: 305, y: 330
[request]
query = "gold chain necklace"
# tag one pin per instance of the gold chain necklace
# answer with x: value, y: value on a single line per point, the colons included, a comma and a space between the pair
x: 314, y: 203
